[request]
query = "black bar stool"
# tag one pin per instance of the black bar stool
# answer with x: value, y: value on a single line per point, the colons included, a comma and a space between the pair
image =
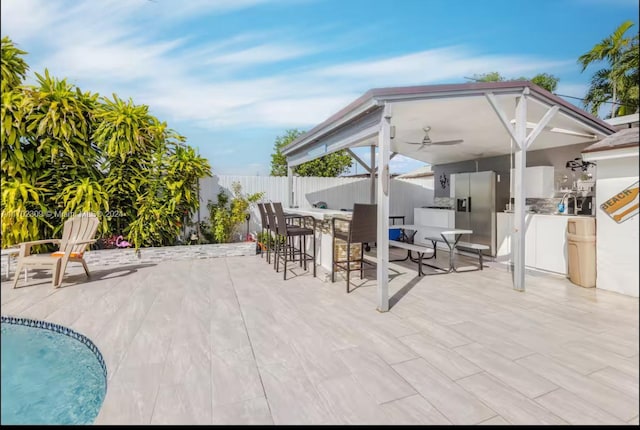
x: 362, y: 228
x: 273, y: 232
x: 264, y: 222
x: 286, y: 248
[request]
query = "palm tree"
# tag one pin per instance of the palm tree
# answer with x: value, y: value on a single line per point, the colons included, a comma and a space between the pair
x: 612, y: 82
x: 630, y: 77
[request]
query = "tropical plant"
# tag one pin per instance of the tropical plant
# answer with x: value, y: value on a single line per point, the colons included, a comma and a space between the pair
x: 22, y: 211
x: 124, y: 129
x: 617, y: 81
x: 65, y: 151
x: 331, y: 165
x: 267, y: 241
x: 545, y: 80
x: 488, y: 77
x: 225, y: 215
x: 184, y: 170
x: 13, y: 68
x: 85, y: 195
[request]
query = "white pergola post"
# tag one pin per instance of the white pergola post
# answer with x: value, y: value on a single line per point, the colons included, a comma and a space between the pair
x: 372, y: 170
x: 519, y: 224
x: 290, y: 186
x: 524, y: 142
x: 384, y: 146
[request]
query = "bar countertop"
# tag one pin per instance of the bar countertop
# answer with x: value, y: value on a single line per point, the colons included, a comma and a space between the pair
x: 320, y: 214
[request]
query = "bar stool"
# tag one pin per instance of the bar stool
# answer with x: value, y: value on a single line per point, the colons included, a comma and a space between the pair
x: 273, y: 232
x: 290, y: 219
x: 362, y: 228
x: 287, y: 248
x: 264, y: 222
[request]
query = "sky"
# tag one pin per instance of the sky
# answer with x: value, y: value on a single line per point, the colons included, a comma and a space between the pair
x: 232, y: 75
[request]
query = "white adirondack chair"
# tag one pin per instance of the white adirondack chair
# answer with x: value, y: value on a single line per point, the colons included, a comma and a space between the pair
x: 78, y: 233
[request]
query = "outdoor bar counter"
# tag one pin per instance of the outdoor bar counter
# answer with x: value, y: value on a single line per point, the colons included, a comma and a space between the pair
x: 323, y: 219
x: 320, y: 214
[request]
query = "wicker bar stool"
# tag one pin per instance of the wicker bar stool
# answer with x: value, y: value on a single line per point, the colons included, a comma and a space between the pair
x: 286, y: 249
x: 273, y: 232
x: 264, y: 222
x: 362, y: 228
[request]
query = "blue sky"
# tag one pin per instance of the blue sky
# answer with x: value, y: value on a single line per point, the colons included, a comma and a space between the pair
x: 232, y: 75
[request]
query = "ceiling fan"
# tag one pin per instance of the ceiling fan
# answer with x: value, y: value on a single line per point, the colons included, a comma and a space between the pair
x: 426, y: 140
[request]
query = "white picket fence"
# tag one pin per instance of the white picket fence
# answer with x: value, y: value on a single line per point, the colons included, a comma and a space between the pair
x: 338, y: 193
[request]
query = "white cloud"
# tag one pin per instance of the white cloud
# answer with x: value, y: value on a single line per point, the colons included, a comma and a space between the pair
x: 299, y: 112
x: 259, y: 54
x: 307, y: 97
x: 112, y: 60
x: 169, y: 8
x: 454, y: 62
x: 271, y: 78
x: 26, y: 19
x: 119, y: 46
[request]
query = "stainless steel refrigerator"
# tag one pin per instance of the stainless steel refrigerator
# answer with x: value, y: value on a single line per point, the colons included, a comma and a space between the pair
x: 477, y: 195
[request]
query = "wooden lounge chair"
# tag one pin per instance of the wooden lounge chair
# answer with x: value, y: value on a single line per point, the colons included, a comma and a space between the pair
x: 77, y: 234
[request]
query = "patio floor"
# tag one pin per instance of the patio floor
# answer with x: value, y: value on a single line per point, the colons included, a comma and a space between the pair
x: 226, y: 340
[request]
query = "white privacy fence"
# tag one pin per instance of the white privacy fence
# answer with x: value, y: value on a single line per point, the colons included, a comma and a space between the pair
x: 337, y: 193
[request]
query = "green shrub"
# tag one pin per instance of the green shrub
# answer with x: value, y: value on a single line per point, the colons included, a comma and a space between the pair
x: 225, y: 215
x: 65, y: 151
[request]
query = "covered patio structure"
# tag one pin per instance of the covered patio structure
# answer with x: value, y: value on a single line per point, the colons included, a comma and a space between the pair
x: 491, y: 119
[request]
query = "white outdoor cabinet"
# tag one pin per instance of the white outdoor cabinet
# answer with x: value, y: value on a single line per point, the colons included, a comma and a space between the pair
x: 539, y: 182
x: 545, y: 241
x: 435, y: 218
x: 551, y: 243
x: 504, y: 229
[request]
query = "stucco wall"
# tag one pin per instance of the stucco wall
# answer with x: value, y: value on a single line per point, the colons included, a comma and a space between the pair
x: 616, y: 244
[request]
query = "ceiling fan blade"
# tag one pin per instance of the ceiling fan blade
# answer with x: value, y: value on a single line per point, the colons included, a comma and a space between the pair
x: 419, y: 146
x: 448, y: 142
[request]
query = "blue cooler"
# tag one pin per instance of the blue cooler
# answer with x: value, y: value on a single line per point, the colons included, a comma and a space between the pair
x: 394, y: 234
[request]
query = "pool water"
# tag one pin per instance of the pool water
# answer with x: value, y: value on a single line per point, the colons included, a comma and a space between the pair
x: 48, y: 378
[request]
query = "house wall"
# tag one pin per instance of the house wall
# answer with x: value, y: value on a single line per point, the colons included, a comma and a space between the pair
x: 616, y: 244
x: 556, y: 157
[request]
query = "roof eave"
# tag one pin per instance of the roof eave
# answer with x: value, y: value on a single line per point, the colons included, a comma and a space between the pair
x: 610, y: 148
x: 611, y: 153
x: 376, y: 97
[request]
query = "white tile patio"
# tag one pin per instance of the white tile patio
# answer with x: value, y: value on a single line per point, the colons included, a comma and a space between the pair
x: 227, y: 341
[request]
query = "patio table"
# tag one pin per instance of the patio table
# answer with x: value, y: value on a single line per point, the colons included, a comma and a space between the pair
x: 450, y: 236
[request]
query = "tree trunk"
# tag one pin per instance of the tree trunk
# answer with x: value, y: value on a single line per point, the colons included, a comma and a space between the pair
x: 613, y: 107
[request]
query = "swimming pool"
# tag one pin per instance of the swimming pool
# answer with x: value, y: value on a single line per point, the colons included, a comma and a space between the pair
x: 50, y: 374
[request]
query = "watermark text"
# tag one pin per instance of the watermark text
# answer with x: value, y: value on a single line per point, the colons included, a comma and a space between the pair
x: 57, y: 214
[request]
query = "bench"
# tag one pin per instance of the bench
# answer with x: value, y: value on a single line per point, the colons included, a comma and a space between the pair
x: 477, y: 247
x: 420, y: 250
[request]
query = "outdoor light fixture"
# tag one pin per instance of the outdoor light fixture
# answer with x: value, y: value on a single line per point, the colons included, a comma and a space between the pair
x: 247, y: 217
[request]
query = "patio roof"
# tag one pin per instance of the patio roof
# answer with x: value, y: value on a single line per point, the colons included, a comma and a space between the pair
x: 456, y: 111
